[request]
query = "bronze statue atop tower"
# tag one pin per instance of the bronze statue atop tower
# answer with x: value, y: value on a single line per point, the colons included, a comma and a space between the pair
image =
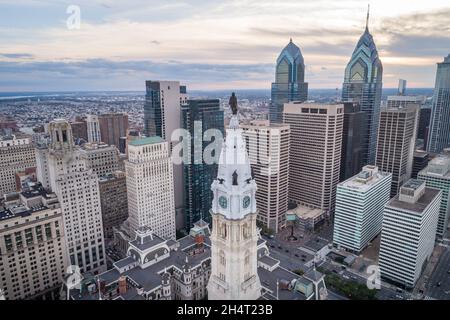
x: 233, y: 103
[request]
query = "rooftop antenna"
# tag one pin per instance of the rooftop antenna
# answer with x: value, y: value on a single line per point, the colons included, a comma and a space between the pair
x: 290, y: 39
x: 368, y: 15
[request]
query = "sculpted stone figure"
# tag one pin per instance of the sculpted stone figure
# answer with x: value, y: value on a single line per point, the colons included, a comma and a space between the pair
x: 233, y: 103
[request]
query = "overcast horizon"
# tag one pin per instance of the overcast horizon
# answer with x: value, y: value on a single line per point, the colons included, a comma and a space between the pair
x: 213, y: 45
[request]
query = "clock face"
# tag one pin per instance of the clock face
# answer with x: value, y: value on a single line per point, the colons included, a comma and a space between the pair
x: 246, y: 202
x: 223, y: 202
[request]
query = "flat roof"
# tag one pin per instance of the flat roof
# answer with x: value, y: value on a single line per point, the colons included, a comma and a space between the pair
x: 417, y: 207
x: 269, y: 261
x: 305, y: 212
x: 316, y: 244
x: 439, y: 166
x: 413, y: 184
x: 361, y: 183
x: 421, y: 153
x: 297, y: 106
x: 264, y: 125
x: 148, y: 140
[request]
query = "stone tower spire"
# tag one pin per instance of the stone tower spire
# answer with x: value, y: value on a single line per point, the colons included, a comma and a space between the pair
x: 234, y: 237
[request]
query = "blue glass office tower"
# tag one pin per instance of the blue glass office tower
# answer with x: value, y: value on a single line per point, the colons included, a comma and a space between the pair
x: 152, y: 109
x: 198, y: 177
x: 363, y: 85
x: 289, y: 82
x: 439, y: 134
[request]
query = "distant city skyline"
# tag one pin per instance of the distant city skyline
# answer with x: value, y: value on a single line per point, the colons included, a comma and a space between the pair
x: 212, y: 45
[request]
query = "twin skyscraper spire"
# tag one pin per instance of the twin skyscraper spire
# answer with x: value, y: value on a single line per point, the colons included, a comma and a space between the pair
x: 362, y: 85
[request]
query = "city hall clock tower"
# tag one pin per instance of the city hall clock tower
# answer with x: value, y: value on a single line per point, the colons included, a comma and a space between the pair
x: 234, y: 233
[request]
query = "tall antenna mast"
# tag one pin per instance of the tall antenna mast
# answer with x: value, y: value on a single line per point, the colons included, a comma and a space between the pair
x: 368, y: 15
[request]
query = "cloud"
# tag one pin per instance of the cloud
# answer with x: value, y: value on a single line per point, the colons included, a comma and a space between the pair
x: 16, y: 55
x: 213, y: 43
x: 103, y: 72
x: 417, y: 46
x: 421, y: 35
x: 435, y: 22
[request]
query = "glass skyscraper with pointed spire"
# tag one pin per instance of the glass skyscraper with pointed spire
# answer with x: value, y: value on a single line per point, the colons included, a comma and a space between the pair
x: 363, y: 85
x: 289, y: 82
x: 439, y: 137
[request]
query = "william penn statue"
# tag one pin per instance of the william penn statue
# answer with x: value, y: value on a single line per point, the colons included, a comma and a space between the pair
x: 233, y: 103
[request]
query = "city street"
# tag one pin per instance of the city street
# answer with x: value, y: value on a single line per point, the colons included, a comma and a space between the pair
x: 385, y: 293
x: 438, y: 286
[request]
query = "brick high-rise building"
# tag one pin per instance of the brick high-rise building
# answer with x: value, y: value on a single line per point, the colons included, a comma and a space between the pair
x: 268, y: 149
x: 112, y: 127
x: 114, y: 201
x: 315, y: 152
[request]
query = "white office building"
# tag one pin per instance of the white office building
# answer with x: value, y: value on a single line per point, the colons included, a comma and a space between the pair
x: 360, y: 203
x: 437, y: 175
x: 64, y: 169
x: 93, y: 128
x: 162, y: 118
x: 150, y: 189
x: 408, y: 233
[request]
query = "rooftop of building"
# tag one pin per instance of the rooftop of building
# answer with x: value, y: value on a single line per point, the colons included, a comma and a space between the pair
x: 406, y: 98
x: 422, y: 202
x: 293, y: 52
x: 96, y: 146
x: 190, y: 254
x: 363, y: 181
x: 299, y: 107
x: 264, y: 124
x: 145, y: 141
x: 306, y: 212
x: 421, y: 154
x: 36, y: 190
x: 13, y: 136
x: 438, y: 166
x: 316, y: 244
x: 111, y: 176
x: 270, y: 280
x: 15, y: 207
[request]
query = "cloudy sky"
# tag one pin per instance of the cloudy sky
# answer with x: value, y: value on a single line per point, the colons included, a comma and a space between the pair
x: 211, y: 44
